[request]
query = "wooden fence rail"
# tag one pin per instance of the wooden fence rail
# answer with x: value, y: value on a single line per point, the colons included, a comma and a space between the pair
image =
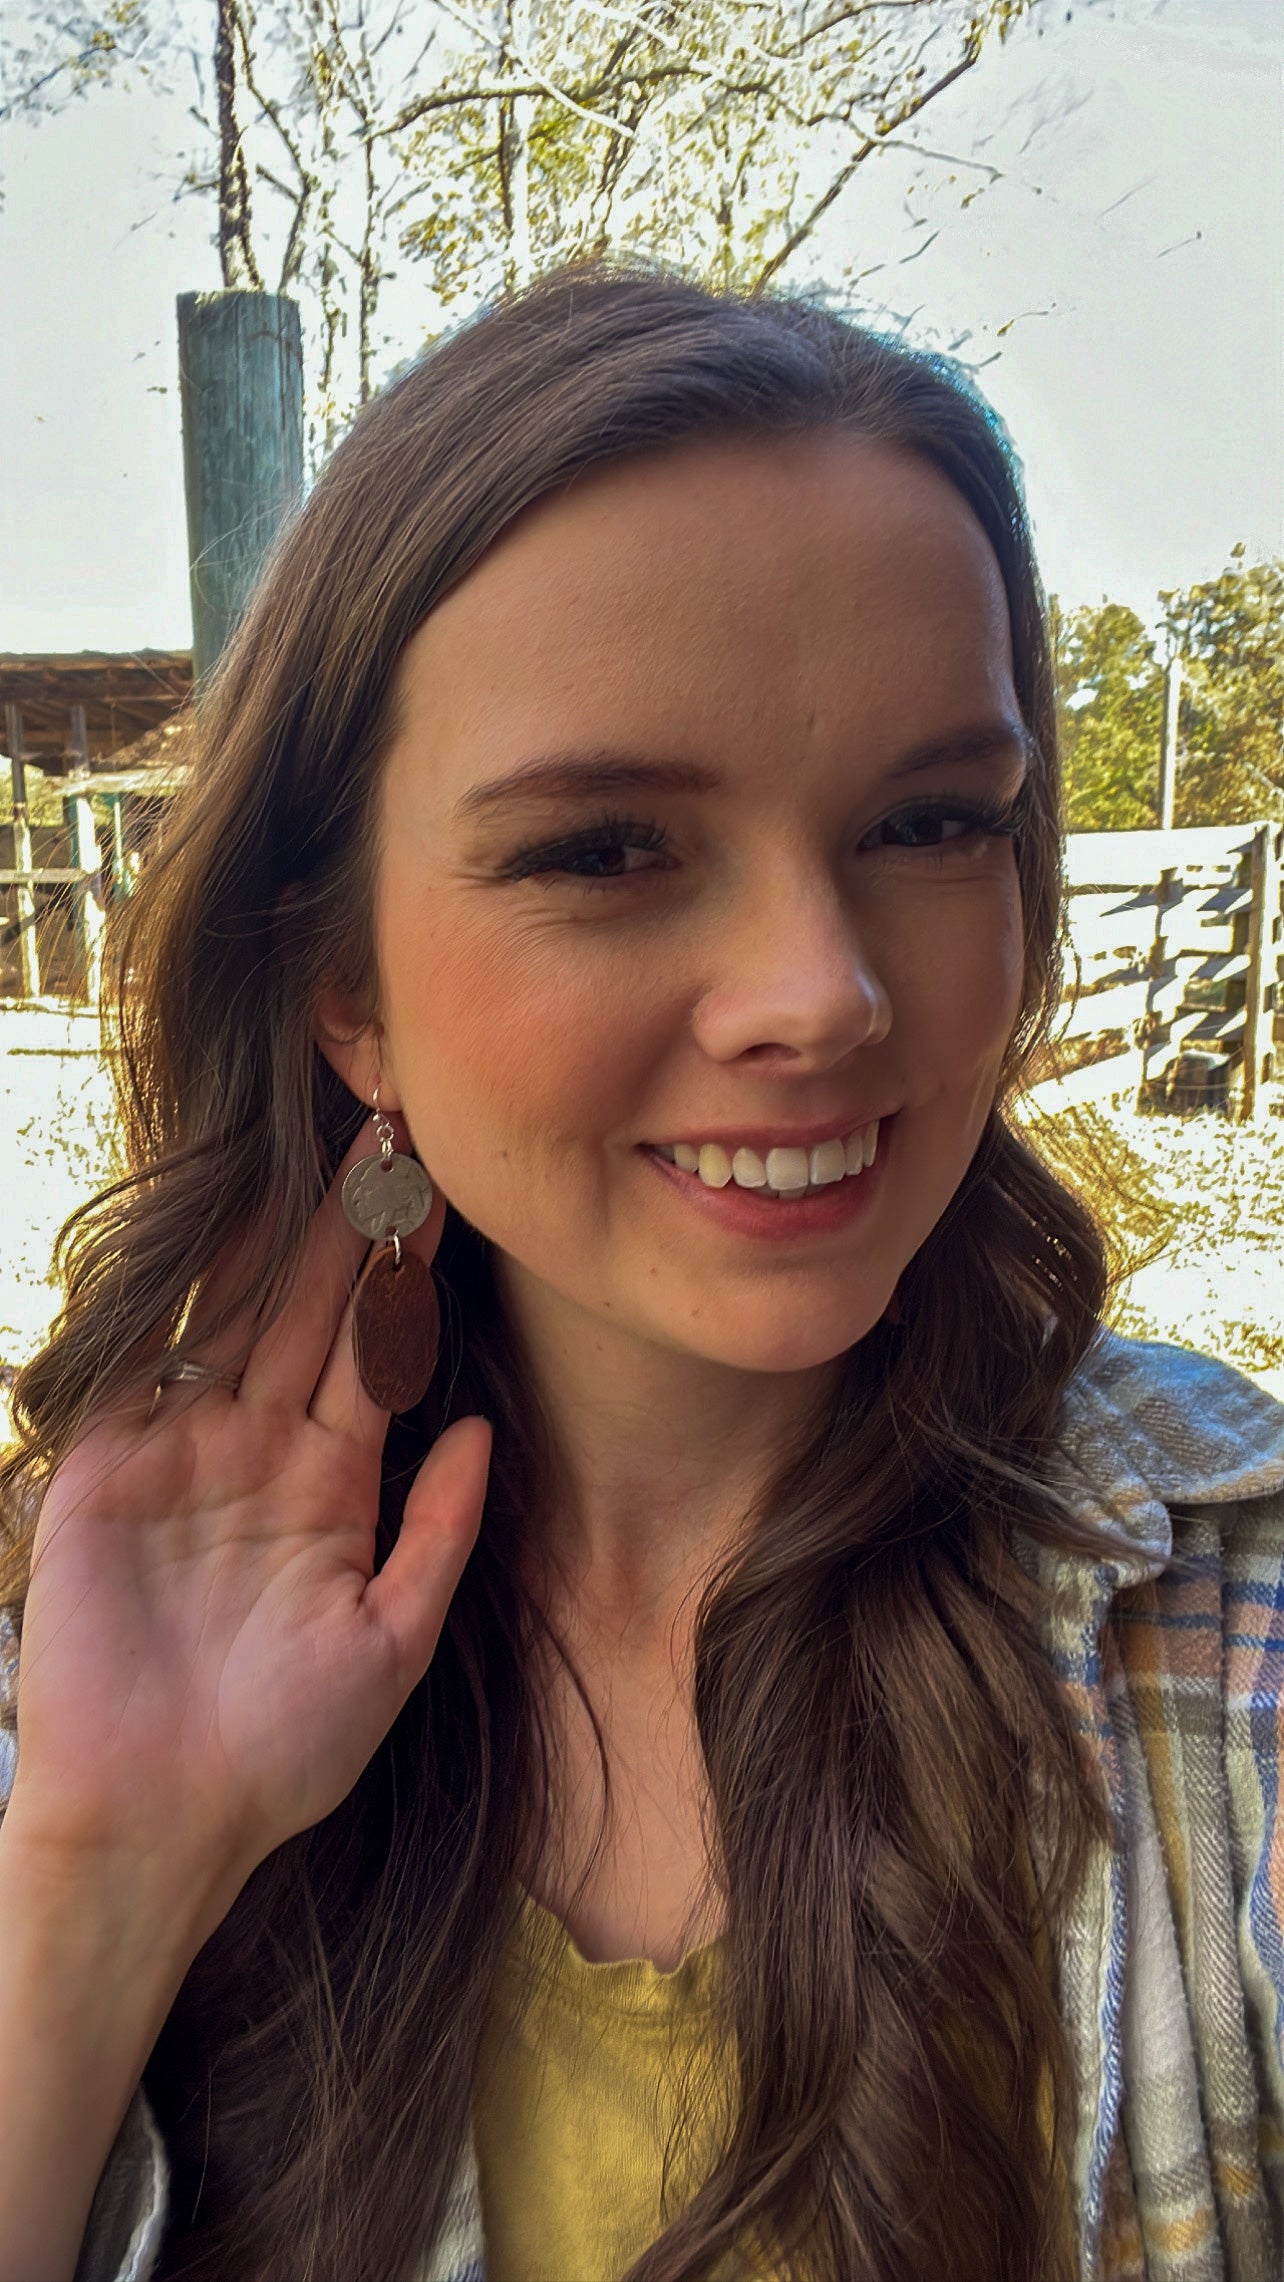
x: 1174, y: 985
x: 1174, y: 981
x: 52, y: 913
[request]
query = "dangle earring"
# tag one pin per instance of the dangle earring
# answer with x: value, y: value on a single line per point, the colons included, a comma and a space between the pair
x: 396, y: 1320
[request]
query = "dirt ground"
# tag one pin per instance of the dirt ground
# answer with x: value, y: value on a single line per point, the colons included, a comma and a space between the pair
x: 1207, y: 1196
x: 1218, y: 1283
x: 1195, y: 1208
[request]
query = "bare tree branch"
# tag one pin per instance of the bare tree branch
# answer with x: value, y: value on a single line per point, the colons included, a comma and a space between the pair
x: 863, y: 151
x: 484, y: 138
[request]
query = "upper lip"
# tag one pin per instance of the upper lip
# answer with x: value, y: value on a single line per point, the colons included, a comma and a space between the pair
x: 781, y: 1136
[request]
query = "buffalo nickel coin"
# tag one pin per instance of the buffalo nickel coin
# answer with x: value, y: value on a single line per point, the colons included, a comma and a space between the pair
x: 387, y: 1196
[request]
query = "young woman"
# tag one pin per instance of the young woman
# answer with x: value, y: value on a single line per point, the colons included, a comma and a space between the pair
x: 809, y: 1809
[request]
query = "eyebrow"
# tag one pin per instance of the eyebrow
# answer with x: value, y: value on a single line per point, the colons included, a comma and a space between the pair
x: 566, y: 775
x: 984, y: 741
x: 572, y: 773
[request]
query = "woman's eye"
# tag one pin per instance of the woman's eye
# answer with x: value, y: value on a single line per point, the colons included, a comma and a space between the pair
x: 613, y: 850
x: 611, y: 862
x: 935, y: 827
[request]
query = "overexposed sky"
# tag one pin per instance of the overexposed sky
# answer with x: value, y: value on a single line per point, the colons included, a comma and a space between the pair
x: 1125, y: 274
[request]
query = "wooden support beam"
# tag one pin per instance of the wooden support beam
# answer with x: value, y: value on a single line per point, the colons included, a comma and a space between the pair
x: 1153, y: 1027
x: 42, y: 875
x: 90, y: 917
x: 240, y: 363
x: 1168, y: 751
x: 79, y: 745
x: 1260, y: 985
x: 1117, y: 1007
x: 122, y: 878
x: 1101, y: 860
x: 17, y: 751
x: 24, y: 899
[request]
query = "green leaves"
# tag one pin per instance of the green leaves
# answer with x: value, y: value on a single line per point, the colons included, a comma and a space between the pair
x: 1110, y: 689
x: 1229, y: 634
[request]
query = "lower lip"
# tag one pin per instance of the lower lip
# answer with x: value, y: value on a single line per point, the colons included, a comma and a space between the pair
x: 745, y: 1212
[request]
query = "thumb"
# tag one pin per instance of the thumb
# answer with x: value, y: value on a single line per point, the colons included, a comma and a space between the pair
x: 413, y: 1590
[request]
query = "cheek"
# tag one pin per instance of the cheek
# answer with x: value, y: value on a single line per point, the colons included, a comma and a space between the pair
x: 519, y: 1037
x: 958, y: 990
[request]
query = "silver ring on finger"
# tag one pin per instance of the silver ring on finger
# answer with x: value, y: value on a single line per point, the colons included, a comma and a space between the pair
x: 204, y: 1374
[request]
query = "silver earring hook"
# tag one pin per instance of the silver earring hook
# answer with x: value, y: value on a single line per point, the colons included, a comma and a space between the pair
x: 383, y: 1129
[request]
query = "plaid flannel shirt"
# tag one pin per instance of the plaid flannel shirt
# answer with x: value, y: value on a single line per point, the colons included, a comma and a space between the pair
x: 1171, y: 1967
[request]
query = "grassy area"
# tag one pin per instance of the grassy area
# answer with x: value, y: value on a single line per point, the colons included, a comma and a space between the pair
x: 1195, y: 1210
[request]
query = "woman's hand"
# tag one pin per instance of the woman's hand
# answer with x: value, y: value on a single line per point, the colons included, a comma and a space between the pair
x: 208, y: 1661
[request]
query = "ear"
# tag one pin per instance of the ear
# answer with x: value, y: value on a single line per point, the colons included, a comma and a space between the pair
x: 352, y: 1045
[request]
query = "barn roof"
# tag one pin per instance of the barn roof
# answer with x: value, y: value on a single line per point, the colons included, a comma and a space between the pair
x: 126, y: 695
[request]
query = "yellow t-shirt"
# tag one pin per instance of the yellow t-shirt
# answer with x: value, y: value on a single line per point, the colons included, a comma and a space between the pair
x: 590, y: 2077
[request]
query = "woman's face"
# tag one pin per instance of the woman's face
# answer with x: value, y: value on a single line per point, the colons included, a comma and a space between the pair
x: 693, y: 840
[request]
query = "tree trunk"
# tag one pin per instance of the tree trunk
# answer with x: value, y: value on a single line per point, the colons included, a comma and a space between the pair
x: 515, y: 130
x: 235, y: 248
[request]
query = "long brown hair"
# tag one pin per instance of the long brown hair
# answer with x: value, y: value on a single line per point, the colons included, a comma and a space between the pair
x: 879, y: 1720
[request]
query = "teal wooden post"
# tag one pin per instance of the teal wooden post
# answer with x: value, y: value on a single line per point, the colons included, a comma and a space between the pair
x: 240, y: 363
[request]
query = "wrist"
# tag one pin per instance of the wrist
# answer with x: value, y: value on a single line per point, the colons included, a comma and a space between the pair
x: 154, y: 1901
x: 90, y: 1964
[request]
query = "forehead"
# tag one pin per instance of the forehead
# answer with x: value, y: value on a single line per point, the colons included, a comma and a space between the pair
x: 721, y: 591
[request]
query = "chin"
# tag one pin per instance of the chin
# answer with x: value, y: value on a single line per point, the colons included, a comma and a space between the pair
x: 777, y: 1347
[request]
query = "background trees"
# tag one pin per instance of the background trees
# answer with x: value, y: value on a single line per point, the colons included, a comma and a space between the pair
x: 1229, y: 634
x: 48, y: 56
x: 343, y: 142
x: 343, y: 145
x: 1111, y: 696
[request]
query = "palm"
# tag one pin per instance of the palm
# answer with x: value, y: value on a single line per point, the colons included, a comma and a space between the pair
x: 207, y: 1662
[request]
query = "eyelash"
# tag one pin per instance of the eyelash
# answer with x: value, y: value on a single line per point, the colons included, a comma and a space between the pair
x: 553, y: 858
x: 988, y: 819
x: 550, y: 857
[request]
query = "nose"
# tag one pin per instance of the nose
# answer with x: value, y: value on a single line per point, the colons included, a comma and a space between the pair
x: 795, y: 983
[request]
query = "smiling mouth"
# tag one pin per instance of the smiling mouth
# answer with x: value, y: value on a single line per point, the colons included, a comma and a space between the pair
x: 783, y: 1173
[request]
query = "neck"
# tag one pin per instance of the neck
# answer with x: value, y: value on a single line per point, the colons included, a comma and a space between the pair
x: 664, y: 1455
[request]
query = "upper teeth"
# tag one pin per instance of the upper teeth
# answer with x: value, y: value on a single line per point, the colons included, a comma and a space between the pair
x: 785, y: 1171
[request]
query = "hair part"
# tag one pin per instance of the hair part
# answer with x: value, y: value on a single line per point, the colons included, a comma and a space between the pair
x: 880, y: 1723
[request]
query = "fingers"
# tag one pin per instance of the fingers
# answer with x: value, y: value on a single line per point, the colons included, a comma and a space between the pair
x: 340, y: 1402
x: 412, y: 1592
x: 220, y: 1308
x: 304, y: 1358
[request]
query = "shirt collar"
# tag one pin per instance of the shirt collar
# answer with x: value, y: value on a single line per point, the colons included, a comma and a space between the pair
x: 1146, y: 1427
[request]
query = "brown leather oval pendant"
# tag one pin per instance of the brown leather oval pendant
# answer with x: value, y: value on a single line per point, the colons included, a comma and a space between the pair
x: 396, y: 1329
